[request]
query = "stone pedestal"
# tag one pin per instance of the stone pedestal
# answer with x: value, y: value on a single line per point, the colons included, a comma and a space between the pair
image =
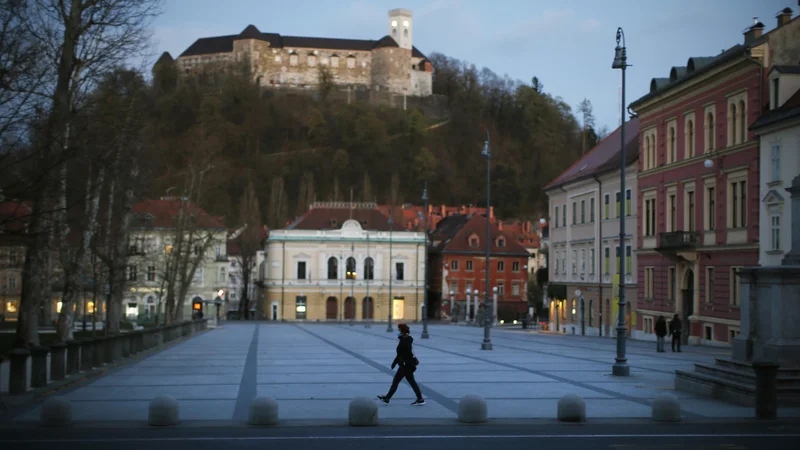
x: 39, y: 366
x: 58, y: 361
x: 99, y: 352
x: 73, y: 357
x: 18, y: 376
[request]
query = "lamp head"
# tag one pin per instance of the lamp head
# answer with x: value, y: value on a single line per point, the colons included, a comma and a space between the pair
x: 708, y: 163
x: 620, y: 58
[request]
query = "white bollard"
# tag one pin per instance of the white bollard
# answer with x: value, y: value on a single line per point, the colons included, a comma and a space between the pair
x: 263, y: 411
x: 163, y: 411
x: 571, y: 408
x: 472, y: 409
x: 363, y: 412
x: 56, y: 412
x: 666, y: 408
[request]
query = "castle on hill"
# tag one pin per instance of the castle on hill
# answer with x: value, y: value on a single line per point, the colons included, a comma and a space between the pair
x: 391, y: 63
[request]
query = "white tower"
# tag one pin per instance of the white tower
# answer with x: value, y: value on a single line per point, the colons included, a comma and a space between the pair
x: 401, y: 27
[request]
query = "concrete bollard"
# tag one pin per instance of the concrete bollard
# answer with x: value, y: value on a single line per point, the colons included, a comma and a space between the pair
x: 58, y: 361
x: 39, y: 366
x: 73, y: 357
x: 666, y: 408
x: 263, y: 411
x: 18, y: 371
x: 766, y: 390
x: 363, y: 412
x: 56, y: 412
x: 472, y: 409
x: 571, y: 408
x: 163, y: 412
x: 99, y: 352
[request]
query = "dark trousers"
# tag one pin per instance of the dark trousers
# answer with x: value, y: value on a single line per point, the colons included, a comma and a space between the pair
x: 408, y: 374
x: 676, y: 341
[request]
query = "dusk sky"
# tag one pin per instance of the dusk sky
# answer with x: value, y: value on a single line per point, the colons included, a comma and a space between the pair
x: 568, y: 44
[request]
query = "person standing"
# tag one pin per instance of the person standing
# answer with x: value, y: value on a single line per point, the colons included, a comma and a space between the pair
x: 675, y: 330
x: 661, y: 332
x: 408, y: 365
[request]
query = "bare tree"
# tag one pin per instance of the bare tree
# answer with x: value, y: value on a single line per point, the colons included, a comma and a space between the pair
x: 587, y: 119
x: 248, y: 241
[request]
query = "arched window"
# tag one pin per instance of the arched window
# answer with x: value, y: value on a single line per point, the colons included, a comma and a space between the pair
x: 394, y: 32
x: 672, y: 150
x: 742, y: 122
x: 351, y: 268
x: 333, y: 268
x: 646, y: 152
x: 591, y: 313
x: 690, y: 139
x: 369, y: 269
x: 733, y: 136
x: 405, y: 32
x: 709, y: 131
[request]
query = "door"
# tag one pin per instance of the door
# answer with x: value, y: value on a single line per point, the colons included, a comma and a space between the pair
x: 399, y: 308
x: 275, y: 310
x: 349, y: 308
x: 331, y: 308
x: 367, y: 309
x: 688, y: 307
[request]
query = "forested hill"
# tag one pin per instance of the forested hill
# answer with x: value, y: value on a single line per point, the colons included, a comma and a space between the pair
x: 298, y: 149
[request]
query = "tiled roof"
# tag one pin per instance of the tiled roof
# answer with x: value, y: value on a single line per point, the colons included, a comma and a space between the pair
x: 603, y: 157
x: 453, y: 233
x: 332, y: 218
x: 164, y: 212
x: 224, y: 44
x: 789, y: 110
x: 789, y: 70
x: 164, y: 58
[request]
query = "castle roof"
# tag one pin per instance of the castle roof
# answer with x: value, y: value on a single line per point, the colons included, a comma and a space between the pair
x: 224, y: 44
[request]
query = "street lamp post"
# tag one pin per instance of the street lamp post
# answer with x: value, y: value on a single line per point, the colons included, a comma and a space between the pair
x: 391, y: 300
x: 425, y: 265
x: 487, y: 340
x: 367, y: 274
x: 621, y: 368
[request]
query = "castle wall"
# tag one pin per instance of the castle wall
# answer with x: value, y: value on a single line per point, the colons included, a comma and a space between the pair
x: 391, y: 69
x: 421, y: 83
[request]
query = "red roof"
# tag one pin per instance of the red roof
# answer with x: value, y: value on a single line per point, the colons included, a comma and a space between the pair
x: 603, y: 156
x: 233, y: 247
x: 330, y: 217
x: 164, y: 212
x: 413, y: 216
x: 521, y: 231
x: 14, y: 215
x: 454, y: 232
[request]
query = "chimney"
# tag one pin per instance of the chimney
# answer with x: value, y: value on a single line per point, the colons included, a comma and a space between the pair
x: 444, y: 210
x: 500, y: 225
x: 754, y: 32
x: 785, y: 16
x: 491, y: 212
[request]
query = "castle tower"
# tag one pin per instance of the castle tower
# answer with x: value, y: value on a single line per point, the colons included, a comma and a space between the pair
x: 401, y: 27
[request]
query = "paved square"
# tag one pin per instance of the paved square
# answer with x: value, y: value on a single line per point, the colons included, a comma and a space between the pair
x: 314, y: 370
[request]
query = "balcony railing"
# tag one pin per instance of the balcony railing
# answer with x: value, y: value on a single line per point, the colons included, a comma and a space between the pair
x: 676, y: 240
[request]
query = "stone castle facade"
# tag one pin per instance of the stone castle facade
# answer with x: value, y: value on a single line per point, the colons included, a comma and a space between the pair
x: 390, y: 64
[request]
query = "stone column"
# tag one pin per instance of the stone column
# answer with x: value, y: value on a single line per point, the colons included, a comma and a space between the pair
x: 39, y: 366
x: 793, y: 257
x: 73, y: 357
x: 494, y: 308
x: 18, y: 371
x: 58, y: 361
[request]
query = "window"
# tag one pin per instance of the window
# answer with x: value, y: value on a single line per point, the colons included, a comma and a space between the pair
x: 515, y: 266
x: 710, y: 130
x: 501, y: 266
x: 649, y: 282
x: 618, y: 256
x: 350, y: 267
x: 574, y: 262
x: 606, y: 260
x: 583, y: 261
x: 334, y: 61
x: 301, y: 270
x: 738, y: 205
x: 221, y: 276
x: 711, y: 214
x: 690, y: 210
x: 732, y: 333
x: 672, y: 152
x: 689, y: 138
x: 607, y: 206
x: 405, y: 32
x: 333, y: 268
x: 775, y: 240
x: 400, y: 271
x: 673, y: 217
x: 312, y: 60
x: 591, y: 209
x: 733, y: 136
x: 556, y: 216
x: 351, y: 62
x: 591, y: 261
x: 583, y: 211
x: 736, y: 287
x: 454, y: 265
x: 628, y: 202
x: 300, y: 308
x: 628, y: 260
x: 454, y: 287
x: 670, y: 283
x: 515, y: 289
x: 501, y: 289
x: 708, y: 332
x: 574, y: 213
x: 369, y: 269
x: 469, y: 287
x: 469, y: 265
x: 501, y: 242
x: 12, y: 283
x: 151, y: 273
x: 776, y: 162
x: 564, y: 215
x: 198, y: 250
x: 131, y: 273
x: 709, y: 284
x: 648, y: 325
x: 619, y: 211
x: 650, y: 217
x: 292, y: 59
x: 564, y: 262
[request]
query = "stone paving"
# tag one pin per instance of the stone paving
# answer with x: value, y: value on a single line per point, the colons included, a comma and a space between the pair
x: 314, y: 370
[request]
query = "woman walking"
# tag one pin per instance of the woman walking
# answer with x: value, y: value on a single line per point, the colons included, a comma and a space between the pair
x: 408, y: 365
x: 675, y: 331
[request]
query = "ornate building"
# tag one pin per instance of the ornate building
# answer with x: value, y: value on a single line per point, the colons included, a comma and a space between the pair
x: 390, y: 63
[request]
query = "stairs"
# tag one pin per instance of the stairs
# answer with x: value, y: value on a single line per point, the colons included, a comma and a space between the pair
x: 735, y: 382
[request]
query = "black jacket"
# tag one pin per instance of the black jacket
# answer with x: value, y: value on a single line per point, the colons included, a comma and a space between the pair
x: 405, y: 354
x: 661, y: 328
x: 675, y: 327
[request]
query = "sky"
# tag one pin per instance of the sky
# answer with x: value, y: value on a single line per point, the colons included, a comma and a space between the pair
x: 567, y: 44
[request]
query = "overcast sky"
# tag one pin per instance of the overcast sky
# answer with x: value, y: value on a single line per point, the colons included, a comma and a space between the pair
x: 568, y: 44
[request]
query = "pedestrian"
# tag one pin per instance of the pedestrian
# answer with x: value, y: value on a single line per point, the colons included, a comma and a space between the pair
x: 407, y: 363
x: 675, y: 331
x: 661, y: 331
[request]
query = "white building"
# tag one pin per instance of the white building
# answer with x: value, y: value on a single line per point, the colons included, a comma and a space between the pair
x: 779, y: 133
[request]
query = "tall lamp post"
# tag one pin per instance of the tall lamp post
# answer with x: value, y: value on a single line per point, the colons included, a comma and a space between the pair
x: 487, y: 319
x: 425, y: 265
x: 391, y: 275
x: 368, y: 272
x: 621, y: 368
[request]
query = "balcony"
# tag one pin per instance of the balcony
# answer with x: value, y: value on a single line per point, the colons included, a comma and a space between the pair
x: 678, y: 240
